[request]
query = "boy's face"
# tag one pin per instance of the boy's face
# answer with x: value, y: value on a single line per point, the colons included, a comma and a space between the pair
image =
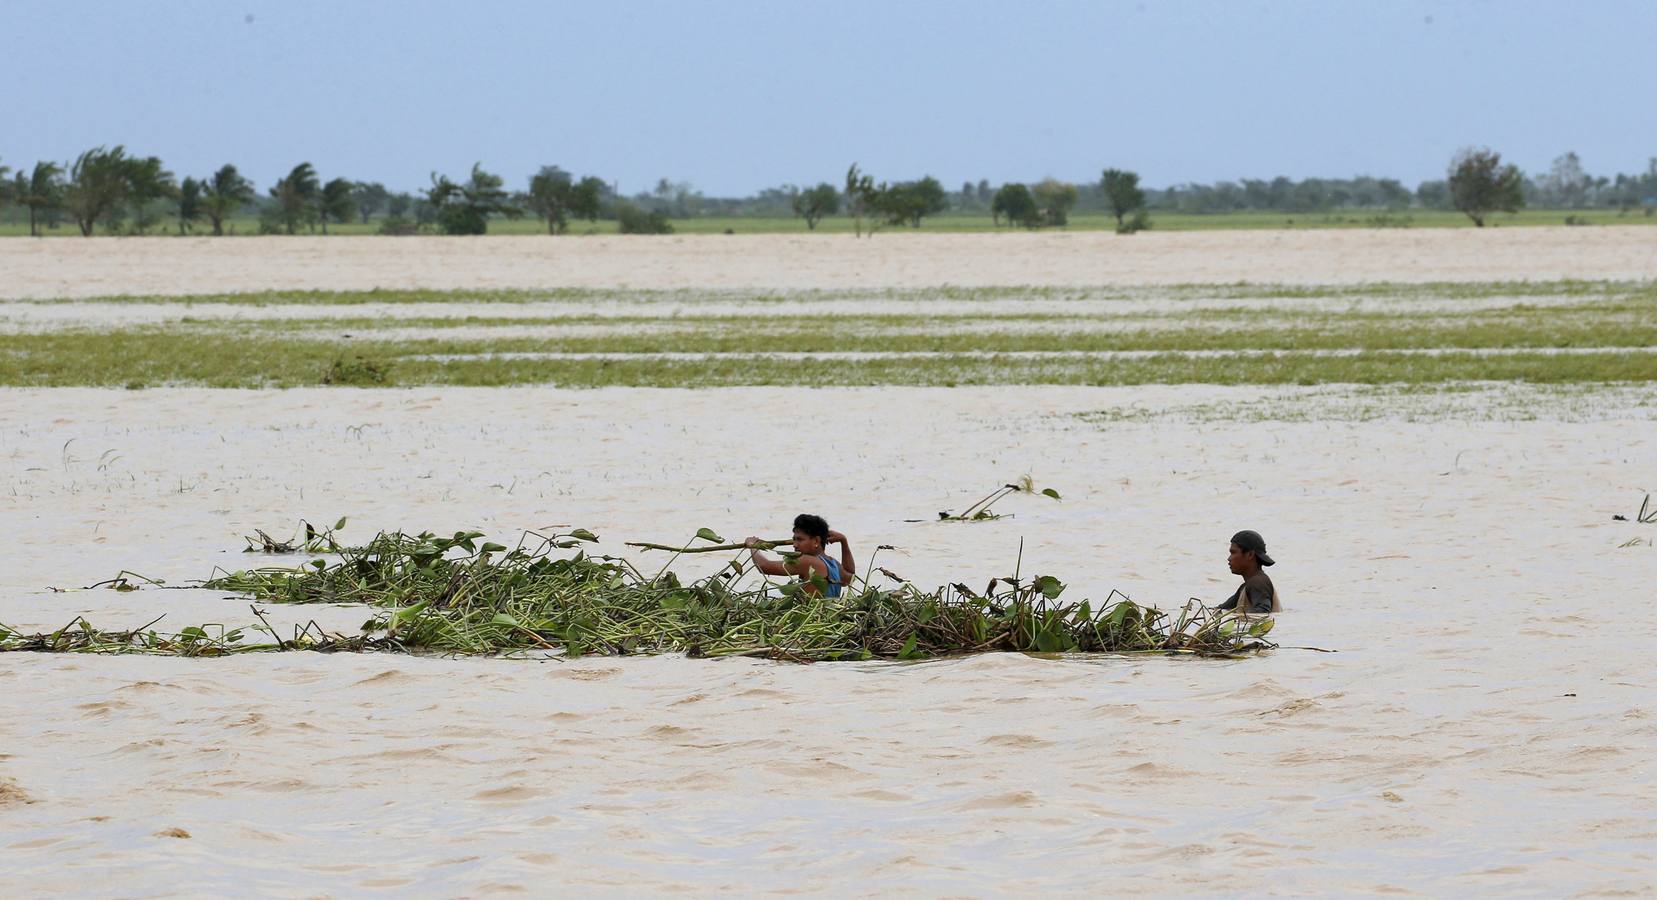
x: 1237, y: 558
x: 805, y: 543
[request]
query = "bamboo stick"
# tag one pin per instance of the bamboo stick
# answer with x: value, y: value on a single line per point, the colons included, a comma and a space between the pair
x: 758, y: 545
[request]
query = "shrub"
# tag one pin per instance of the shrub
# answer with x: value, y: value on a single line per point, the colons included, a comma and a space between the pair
x: 359, y: 370
x: 633, y: 220
x: 398, y: 225
x: 1139, y: 221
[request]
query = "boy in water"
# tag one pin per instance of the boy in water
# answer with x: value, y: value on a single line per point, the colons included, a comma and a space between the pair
x: 811, y: 537
x: 1256, y: 596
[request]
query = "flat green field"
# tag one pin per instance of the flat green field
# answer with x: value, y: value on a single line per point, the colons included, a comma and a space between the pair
x: 1554, y: 332
x: 983, y: 222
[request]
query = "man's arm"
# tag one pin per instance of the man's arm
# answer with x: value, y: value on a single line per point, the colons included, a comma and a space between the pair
x: 1232, y: 603
x: 765, y: 563
x: 803, y: 566
x: 848, y: 566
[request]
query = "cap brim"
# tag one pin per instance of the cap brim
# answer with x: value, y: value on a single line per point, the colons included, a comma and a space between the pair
x: 1265, y: 559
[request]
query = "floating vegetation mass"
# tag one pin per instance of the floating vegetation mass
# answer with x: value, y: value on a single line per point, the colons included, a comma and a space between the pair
x: 462, y: 595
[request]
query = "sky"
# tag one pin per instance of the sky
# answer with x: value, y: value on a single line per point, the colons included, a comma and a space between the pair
x: 733, y: 96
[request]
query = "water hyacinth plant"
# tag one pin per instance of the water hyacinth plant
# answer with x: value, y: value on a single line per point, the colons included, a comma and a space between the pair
x: 462, y: 595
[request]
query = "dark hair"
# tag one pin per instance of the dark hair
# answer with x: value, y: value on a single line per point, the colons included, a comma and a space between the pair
x: 813, y: 526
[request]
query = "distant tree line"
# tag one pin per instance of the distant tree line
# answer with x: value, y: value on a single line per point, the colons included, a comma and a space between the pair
x: 106, y: 190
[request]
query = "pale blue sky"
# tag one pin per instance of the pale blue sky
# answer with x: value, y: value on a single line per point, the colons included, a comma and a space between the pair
x: 737, y: 96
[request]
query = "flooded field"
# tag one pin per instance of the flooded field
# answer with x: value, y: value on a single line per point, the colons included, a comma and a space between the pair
x: 1469, y: 574
x: 1483, y: 724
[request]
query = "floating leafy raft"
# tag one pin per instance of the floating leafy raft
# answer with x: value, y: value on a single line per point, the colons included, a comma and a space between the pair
x: 460, y: 595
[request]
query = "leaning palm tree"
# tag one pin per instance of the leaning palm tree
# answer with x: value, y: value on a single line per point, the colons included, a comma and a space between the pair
x: 147, y: 181
x: 189, y: 204
x: 40, y: 190
x: 336, y: 202
x: 466, y: 208
x: 223, y: 194
x: 296, y: 195
x: 98, y: 182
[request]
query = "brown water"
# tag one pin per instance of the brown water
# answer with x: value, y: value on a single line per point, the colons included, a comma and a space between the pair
x: 1486, y: 726
x: 894, y: 259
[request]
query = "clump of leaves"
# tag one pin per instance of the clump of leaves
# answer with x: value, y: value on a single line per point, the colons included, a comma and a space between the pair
x: 460, y: 594
x: 980, y: 511
x: 314, y: 541
x: 358, y: 370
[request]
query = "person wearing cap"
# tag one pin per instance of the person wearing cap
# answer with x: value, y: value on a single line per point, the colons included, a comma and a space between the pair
x: 1256, y: 596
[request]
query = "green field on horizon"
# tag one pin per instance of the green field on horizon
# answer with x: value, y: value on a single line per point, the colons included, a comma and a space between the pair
x: 969, y: 222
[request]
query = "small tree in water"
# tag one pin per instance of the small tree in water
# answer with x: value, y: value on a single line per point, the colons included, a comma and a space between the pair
x: 1479, y: 184
x: 907, y: 202
x: 813, y: 204
x: 555, y: 197
x: 465, y: 208
x: 1122, y: 192
x: 1054, y: 198
x: 1015, y: 203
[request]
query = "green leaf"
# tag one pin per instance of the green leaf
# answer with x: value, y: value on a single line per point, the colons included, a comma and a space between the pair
x: 340, y: 524
x: 406, y: 614
x: 1049, y: 586
x: 582, y: 534
x: 908, y: 651
x: 493, y: 548
x: 1261, y: 628
x: 504, y: 619
x: 1051, y: 493
x: 708, y: 534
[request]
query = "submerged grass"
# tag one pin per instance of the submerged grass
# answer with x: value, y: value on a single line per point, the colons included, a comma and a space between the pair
x: 149, y: 358
x: 462, y: 595
x: 1242, y: 290
x: 1273, y: 343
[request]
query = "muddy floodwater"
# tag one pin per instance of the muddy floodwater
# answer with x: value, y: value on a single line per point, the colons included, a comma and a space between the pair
x: 1486, y: 724
x: 787, y: 262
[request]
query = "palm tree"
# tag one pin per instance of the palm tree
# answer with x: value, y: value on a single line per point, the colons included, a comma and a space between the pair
x: 223, y: 194
x: 336, y: 202
x: 147, y: 181
x: 549, y: 197
x: 465, y: 208
x: 296, y: 195
x: 189, y: 203
x: 97, y: 182
x: 370, y: 197
x: 39, y: 191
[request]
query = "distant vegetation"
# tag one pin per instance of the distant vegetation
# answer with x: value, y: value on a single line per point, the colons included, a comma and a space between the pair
x: 106, y: 190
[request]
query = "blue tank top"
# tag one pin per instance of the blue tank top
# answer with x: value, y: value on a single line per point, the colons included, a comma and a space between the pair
x: 833, y: 576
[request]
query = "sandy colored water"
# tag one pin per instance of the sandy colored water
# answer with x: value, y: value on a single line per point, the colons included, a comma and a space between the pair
x: 1486, y: 726
x: 110, y: 266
